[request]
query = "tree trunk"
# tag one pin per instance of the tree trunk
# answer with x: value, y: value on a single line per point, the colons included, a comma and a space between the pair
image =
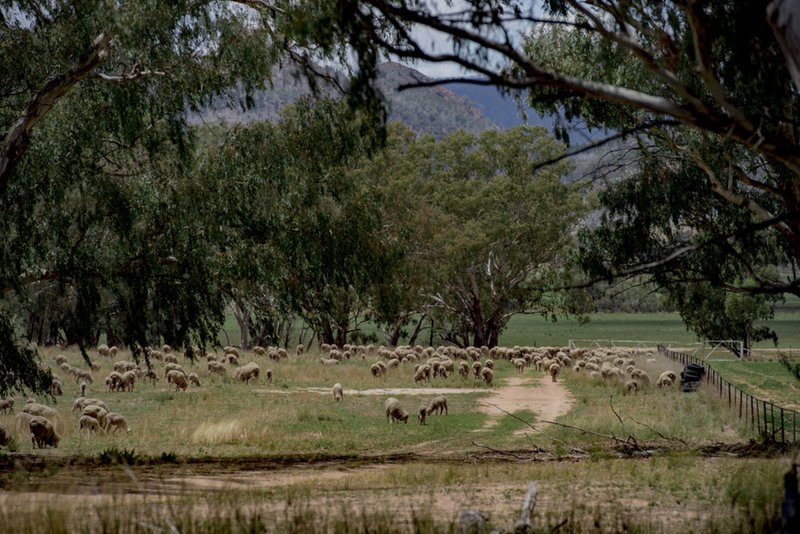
x: 242, y: 316
x: 413, y: 340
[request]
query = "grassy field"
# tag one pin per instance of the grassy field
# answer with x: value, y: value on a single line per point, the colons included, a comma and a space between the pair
x: 283, y: 456
x: 665, y: 327
x: 763, y: 379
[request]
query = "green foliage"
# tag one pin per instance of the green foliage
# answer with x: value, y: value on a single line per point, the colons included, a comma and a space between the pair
x: 482, y: 232
x: 719, y: 315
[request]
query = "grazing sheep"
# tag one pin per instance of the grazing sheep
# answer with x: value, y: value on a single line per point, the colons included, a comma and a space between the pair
x: 441, y: 371
x: 114, y: 381
x: 299, y: 350
x: 113, y: 351
x: 6, y: 405
x: 259, y: 350
x: 337, y: 392
x: 394, y: 412
x: 170, y: 358
x: 247, y: 372
x: 55, y: 388
x: 476, y: 369
x: 325, y: 348
x: 377, y: 370
x: 631, y: 386
x: 151, y: 375
x: 128, y: 381
x: 88, y: 423
x: 463, y: 369
x: 394, y: 363
x: 166, y: 349
x: 665, y: 380
x: 103, y: 350
x: 640, y: 376
x: 43, y: 433
x: 194, y: 379
x: 422, y: 414
x: 422, y: 373
x: 489, y: 364
x: 116, y: 421
x: 216, y: 367
x: 60, y: 360
x: 487, y: 375
x: 231, y: 358
x: 519, y: 365
x: 81, y: 374
x: 328, y: 361
x: 554, y: 369
x: 437, y: 405
x: 268, y: 375
x: 34, y: 408
x: 177, y: 378
x: 84, y: 402
x: 97, y: 412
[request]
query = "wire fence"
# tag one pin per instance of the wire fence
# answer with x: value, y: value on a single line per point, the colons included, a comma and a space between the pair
x: 770, y: 421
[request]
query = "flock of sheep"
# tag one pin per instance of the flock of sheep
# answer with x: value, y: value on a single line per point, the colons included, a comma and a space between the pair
x: 429, y: 363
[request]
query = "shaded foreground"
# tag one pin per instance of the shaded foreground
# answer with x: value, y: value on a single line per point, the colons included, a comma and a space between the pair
x: 674, y: 492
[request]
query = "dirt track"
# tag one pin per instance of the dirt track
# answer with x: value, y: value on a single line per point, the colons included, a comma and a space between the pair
x: 540, y: 395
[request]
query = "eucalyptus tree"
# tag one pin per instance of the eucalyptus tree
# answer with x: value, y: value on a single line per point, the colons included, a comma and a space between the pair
x: 712, y: 87
x: 298, y: 226
x: 95, y: 163
x: 485, y: 229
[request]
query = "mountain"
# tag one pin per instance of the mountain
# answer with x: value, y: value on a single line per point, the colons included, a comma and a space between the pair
x: 434, y: 110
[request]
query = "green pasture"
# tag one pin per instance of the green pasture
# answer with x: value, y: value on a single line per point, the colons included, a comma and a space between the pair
x: 540, y: 331
x: 768, y: 380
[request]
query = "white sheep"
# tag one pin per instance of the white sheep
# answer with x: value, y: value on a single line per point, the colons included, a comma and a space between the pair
x: 247, y: 372
x: 328, y: 361
x: 463, y: 369
x: 631, y: 386
x: 97, y: 412
x: 34, y: 408
x: 88, y: 423
x: 216, y: 367
x: 128, y: 381
x: 394, y: 412
x: 378, y: 370
x: 116, y: 421
x: 194, y: 379
x: 337, y: 392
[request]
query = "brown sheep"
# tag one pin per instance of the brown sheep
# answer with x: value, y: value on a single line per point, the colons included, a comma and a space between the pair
x: 7, y: 405
x: 178, y: 379
x: 463, y: 369
x: 43, y: 433
x: 487, y: 375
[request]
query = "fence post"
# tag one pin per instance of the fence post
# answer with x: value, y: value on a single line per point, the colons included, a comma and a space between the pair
x: 752, y: 414
x: 764, y: 413
x: 783, y: 433
x: 729, y: 394
x: 740, y: 403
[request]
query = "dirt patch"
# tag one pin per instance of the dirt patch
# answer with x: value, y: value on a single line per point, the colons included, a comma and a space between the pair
x: 547, y: 399
x: 378, y: 392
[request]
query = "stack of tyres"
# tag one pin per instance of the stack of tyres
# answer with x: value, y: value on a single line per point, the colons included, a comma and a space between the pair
x: 691, y: 375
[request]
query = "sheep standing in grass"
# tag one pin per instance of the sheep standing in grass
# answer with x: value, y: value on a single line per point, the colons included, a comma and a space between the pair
x: 554, y: 370
x: 43, y: 433
x: 487, y: 375
x: 337, y: 392
x: 378, y: 370
x: 247, y: 372
x: 631, y: 386
x: 394, y: 412
x: 268, y: 376
x: 423, y: 372
x: 438, y: 405
x: 666, y: 379
x: 88, y: 423
x: 178, y: 379
x: 116, y: 421
x: 128, y: 380
x: 463, y: 369
x: 328, y: 361
x: 299, y: 350
x: 216, y: 367
x: 56, y: 389
x: 194, y: 379
x: 476, y: 369
x: 103, y: 350
x: 6, y: 405
x: 519, y: 365
x: 422, y: 414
